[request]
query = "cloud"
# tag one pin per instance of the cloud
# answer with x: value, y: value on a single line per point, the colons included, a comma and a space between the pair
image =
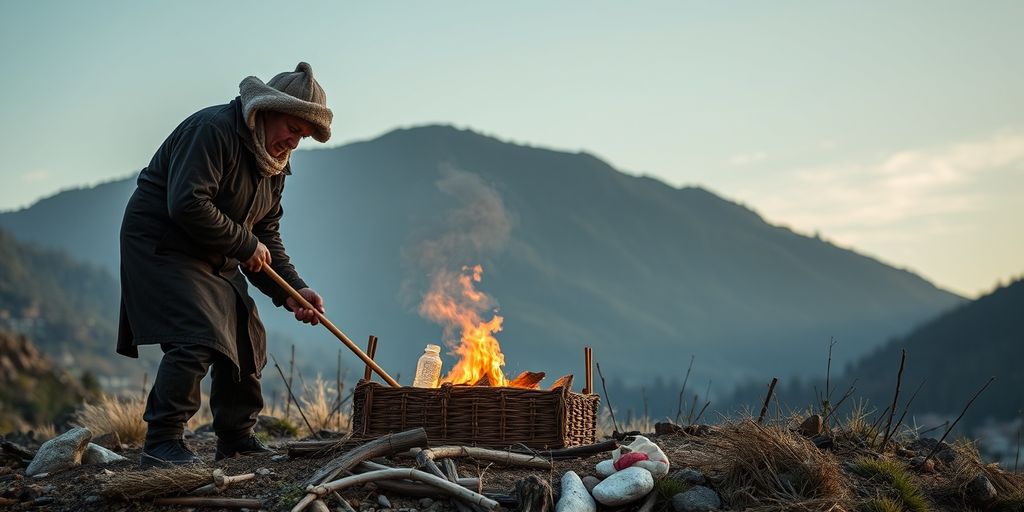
x: 35, y: 176
x: 747, y: 158
x: 915, y: 186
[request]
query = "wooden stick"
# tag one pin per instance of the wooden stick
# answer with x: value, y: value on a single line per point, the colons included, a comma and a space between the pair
x: 330, y: 326
x: 289, y: 386
x: 950, y: 428
x: 575, y: 451
x: 385, y: 445
x: 396, y: 474
x: 895, y: 397
x: 193, y: 501
x: 767, y: 400
x: 371, y: 350
x: 220, y: 482
x: 319, y: 506
x: 588, y: 372
x: 426, y: 457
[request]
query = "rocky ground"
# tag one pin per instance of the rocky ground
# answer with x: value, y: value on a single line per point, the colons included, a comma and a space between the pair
x: 737, y: 466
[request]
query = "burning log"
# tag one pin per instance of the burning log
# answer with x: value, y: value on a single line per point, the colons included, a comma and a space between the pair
x: 564, y: 381
x: 385, y: 445
x: 528, y: 380
x: 456, y: 491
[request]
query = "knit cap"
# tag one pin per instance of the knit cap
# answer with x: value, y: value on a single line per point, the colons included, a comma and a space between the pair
x: 296, y: 93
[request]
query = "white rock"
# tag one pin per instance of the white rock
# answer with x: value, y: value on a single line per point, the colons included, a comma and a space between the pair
x: 605, y: 468
x: 96, y: 454
x: 625, y: 486
x: 575, y: 497
x: 61, y: 452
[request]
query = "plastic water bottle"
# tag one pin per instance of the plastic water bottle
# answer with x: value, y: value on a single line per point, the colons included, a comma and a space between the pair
x: 428, y: 368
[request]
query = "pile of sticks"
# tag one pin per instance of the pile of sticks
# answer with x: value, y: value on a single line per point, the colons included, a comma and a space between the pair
x: 434, y: 473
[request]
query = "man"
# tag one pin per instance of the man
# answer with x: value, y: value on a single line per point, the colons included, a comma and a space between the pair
x: 209, y: 203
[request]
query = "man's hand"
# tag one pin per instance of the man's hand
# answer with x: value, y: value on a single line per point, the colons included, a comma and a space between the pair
x: 307, y: 315
x: 259, y: 258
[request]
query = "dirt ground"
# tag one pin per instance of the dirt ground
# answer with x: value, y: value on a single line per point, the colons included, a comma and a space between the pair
x: 78, y: 489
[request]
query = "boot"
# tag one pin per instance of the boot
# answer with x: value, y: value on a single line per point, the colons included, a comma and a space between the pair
x: 245, y: 446
x: 166, y: 453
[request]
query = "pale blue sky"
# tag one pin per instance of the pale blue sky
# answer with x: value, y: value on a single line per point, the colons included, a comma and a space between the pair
x: 896, y: 128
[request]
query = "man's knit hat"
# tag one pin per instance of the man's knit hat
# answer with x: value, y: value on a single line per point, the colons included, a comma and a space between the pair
x: 296, y: 93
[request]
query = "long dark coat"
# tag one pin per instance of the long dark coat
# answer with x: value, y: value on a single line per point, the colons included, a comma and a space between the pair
x: 199, y: 208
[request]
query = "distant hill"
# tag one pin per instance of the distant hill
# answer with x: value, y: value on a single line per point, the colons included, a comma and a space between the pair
x: 33, y: 392
x: 644, y: 272
x: 954, y: 355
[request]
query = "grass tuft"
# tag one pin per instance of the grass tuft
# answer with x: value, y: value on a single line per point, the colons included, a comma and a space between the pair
x: 112, y: 414
x: 881, y: 505
x: 895, y: 474
x: 669, y: 487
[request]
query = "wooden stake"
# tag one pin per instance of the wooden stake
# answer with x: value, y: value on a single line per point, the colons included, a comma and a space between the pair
x: 292, y: 395
x: 330, y: 326
x: 895, y: 397
x: 210, y: 502
x: 371, y: 350
x: 950, y: 428
x: 588, y: 373
x: 767, y: 400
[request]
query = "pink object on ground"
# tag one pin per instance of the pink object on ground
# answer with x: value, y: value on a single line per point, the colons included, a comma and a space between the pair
x: 628, y: 459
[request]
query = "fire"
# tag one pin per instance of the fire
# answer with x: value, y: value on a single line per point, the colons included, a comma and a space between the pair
x: 454, y: 302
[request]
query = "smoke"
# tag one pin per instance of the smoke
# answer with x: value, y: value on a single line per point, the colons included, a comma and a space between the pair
x: 446, y: 262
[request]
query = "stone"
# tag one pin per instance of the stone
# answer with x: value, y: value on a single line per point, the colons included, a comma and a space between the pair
x: 605, y: 468
x: 89, y: 500
x: 823, y: 441
x: 946, y: 455
x: 264, y: 471
x: 697, y: 499
x: 591, y: 481
x: 425, y: 502
x: 980, y: 492
x: 690, y: 476
x: 812, y: 426
x: 62, y: 452
x: 383, y: 501
x: 110, y: 441
x: 574, y: 497
x: 96, y: 454
x: 626, y: 486
x: 925, y: 466
x: 665, y: 428
x: 278, y: 458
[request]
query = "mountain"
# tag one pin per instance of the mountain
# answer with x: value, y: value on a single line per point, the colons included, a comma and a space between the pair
x: 68, y: 308
x: 953, y: 355
x: 33, y: 392
x: 574, y: 251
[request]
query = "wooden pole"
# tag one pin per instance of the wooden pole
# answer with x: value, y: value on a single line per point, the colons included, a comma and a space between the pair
x: 371, y: 350
x: 588, y: 372
x: 330, y: 326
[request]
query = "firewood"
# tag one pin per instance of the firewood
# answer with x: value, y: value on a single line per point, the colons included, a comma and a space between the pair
x: 319, y: 506
x: 534, y: 494
x: 456, y: 491
x: 467, y: 482
x: 564, y: 381
x: 572, y: 453
x: 314, y: 448
x: 220, y: 482
x: 527, y: 380
x: 425, y: 458
x: 385, y: 445
x: 484, y: 381
x: 192, y: 501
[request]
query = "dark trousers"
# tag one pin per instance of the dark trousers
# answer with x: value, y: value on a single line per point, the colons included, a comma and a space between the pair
x: 175, y: 396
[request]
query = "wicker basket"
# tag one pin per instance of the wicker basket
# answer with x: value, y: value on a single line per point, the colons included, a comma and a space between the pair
x: 494, y: 417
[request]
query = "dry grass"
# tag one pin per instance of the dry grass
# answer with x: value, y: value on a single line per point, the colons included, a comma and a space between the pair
x: 154, y: 483
x: 113, y: 414
x: 768, y: 468
x: 319, y: 403
x: 967, y: 466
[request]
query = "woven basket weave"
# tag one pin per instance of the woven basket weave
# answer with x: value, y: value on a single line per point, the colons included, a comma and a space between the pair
x: 493, y: 417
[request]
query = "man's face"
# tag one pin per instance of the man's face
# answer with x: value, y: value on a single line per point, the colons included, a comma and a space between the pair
x: 282, y: 132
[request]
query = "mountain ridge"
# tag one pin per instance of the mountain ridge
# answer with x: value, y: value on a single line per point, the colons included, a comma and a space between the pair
x: 594, y: 256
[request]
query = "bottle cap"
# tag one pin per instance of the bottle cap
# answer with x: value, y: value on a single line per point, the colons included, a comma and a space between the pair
x: 433, y: 348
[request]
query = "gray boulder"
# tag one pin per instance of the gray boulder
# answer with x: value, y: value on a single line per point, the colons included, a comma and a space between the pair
x: 591, y: 481
x: 690, y: 476
x: 980, y: 492
x: 697, y: 499
x: 96, y: 454
x: 60, y: 453
x: 574, y: 497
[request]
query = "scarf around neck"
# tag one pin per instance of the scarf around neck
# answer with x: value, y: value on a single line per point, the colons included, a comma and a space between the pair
x: 269, y: 166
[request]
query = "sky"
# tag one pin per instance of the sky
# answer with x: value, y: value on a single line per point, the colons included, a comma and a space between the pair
x: 894, y: 128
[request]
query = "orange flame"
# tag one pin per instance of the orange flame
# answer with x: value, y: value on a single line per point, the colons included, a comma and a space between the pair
x: 454, y: 302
